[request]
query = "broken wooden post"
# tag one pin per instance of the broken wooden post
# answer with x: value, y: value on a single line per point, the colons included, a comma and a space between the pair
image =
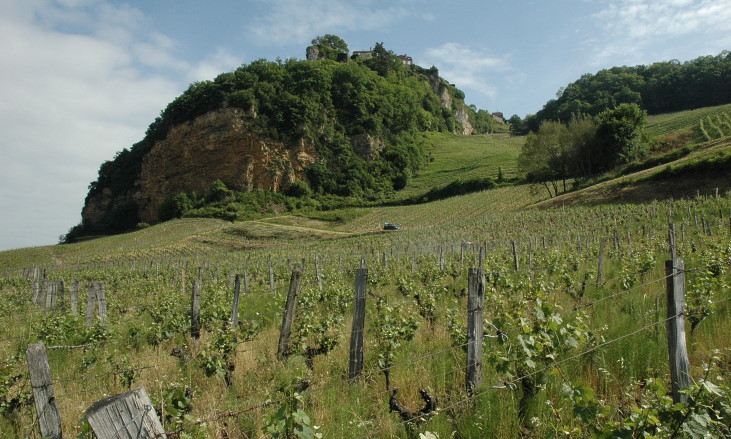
x: 677, y: 349
x: 356, y: 335
x: 129, y: 415
x: 289, y: 310
x: 475, y: 304
x: 49, y: 420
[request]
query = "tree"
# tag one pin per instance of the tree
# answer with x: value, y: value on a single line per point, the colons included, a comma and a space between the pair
x: 517, y: 126
x: 383, y: 61
x: 541, y: 155
x: 331, y: 47
x: 618, y: 136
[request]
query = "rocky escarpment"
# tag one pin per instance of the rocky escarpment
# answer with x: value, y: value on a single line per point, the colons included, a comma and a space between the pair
x: 442, y: 89
x: 216, y: 146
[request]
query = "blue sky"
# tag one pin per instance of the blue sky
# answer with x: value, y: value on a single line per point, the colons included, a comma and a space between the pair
x: 82, y: 79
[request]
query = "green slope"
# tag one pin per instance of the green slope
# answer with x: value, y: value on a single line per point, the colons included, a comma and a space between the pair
x: 465, y: 157
x: 663, y: 124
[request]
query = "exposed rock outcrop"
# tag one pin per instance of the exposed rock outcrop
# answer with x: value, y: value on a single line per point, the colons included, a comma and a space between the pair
x: 216, y: 146
x: 366, y: 146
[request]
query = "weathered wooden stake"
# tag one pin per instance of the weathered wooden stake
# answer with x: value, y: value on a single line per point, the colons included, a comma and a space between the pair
x: 475, y: 304
x: 318, y: 272
x: 356, y: 336
x: 530, y: 262
x: 129, y: 415
x: 235, y: 304
x: 49, y: 295
x: 600, y: 266
x: 515, y: 255
x: 90, y: 302
x: 195, y: 310
x: 677, y: 350
x: 289, y: 311
x: 74, y: 298
x: 271, y: 278
x: 101, y: 303
x: 49, y: 420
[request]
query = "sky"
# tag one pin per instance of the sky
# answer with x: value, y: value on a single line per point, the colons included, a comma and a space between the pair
x: 82, y: 79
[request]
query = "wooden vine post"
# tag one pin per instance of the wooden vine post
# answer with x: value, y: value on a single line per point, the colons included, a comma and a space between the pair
x: 49, y: 420
x: 90, y: 302
x: 195, y: 310
x: 271, y: 278
x: 74, y: 298
x: 129, y: 415
x: 515, y: 255
x: 677, y: 349
x: 235, y: 304
x: 289, y: 310
x: 475, y: 304
x: 101, y: 300
x: 356, y: 335
x: 600, y: 265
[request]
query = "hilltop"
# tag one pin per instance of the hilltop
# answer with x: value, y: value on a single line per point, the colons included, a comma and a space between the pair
x: 330, y: 126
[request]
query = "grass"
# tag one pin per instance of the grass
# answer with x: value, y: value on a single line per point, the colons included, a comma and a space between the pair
x: 459, y: 157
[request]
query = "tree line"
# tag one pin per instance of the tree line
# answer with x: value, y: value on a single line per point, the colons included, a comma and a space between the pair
x: 661, y: 87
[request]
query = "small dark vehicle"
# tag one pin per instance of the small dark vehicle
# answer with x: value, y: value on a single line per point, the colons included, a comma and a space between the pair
x: 389, y: 226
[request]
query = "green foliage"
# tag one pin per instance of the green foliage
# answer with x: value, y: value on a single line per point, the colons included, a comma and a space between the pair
x: 618, y: 135
x: 652, y: 413
x: 12, y: 395
x: 658, y: 88
x: 583, y: 147
x: 290, y: 421
x: 175, y: 405
x: 392, y: 327
x: 331, y: 47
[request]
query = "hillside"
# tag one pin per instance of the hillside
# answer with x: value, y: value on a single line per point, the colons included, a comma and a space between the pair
x: 351, y: 128
x: 574, y: 310
x: 452, y: 157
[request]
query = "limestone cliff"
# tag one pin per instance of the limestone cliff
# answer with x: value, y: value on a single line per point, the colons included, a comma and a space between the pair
x: 216, y: 146
x: 442, y: 89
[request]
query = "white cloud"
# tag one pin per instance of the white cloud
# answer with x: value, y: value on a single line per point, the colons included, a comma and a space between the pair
x: 467, y: 68
x: 220, y: 61
x: 295, y: 21
x: 75, y: 87
x: 634, y: 27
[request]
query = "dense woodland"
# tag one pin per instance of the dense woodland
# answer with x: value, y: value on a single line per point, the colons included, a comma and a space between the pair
x: 661, y: 87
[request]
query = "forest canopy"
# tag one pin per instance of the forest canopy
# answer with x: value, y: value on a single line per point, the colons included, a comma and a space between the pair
x: 661, y: 87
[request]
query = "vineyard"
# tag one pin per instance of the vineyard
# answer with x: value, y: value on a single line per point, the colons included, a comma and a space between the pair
x: 254, y: 329
x: 685, y: 120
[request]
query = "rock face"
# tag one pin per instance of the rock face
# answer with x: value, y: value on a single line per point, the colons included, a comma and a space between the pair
x: 366, y: 146
x: 216, y: 146
x: 461, y: 113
